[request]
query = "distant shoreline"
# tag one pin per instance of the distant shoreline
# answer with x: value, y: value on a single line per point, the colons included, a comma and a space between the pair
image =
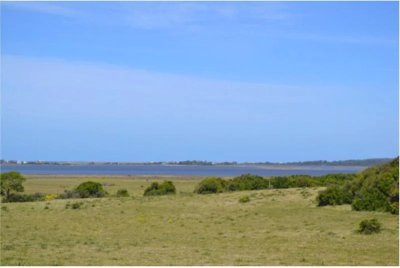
x: 203, y: 163
x: 267, y: 166
x: 179, y: 170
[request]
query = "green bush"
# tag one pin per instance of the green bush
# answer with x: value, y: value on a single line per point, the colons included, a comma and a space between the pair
x: 281, y: 182
x: 13, y: 197
x: 211, y: 185
x: 90, y: 189
x: 122, y: 193
x: 69, y: 194
x: 167, y: 187
x: 244, y: 199
x: 377, y: 188
x: 369, y: 226
x: 76, y: 205
x: 11, y: 182
x: 333, y: 195
x: 374, y: 189
x: 253, y: 182
x: 394, y: 208
x: 246, y: 182
x: 371, y: 199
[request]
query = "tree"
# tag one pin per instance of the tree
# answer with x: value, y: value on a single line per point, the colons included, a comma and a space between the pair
x: 90, y: 189
x: 11, y: 181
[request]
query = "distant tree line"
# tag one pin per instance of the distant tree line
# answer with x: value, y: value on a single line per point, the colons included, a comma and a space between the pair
x: 364, y: 162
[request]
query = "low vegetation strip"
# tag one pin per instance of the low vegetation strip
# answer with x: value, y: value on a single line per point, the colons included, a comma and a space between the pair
x: 253, y: 182
x: 189, y: 229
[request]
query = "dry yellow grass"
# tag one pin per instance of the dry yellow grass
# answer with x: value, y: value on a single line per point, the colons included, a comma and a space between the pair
x: 277, y: 227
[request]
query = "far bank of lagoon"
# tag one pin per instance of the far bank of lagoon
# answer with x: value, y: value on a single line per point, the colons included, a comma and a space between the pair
x: 179, y: 170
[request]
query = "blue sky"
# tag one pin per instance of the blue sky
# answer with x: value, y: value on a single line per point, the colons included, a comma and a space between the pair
x: 234, y: 81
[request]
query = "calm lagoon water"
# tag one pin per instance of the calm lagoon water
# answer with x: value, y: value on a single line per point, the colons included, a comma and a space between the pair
x: 175, y: 170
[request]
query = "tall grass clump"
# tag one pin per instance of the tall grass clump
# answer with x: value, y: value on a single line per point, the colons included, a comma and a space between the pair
x: 244, y: 199
x: 122, y: 193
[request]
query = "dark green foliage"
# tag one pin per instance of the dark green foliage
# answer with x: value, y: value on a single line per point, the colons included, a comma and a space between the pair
x: 90, y: 189
x: 374, y: 189
x: 369, y: 226
x: 244, y: 199
x: 377, y: 188
x: 246, y: 182
x: 394, y: 208
x: 13, y: 197
x: 333, y: 195
x: 253, y: 182
x: 122, y: 193
x: 211, y: 185
x: 69, y: 194
x: 370, y: 199
x: 76, y: 205
x: 167, y: 187
x: 281, y: 182
x: 11, y: 182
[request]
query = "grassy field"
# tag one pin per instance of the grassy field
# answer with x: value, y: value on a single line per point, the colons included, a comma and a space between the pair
x: 277, y: 227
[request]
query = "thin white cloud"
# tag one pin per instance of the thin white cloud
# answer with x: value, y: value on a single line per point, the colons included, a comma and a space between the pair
x: 52, y: 8
x: 271, y: 19
x: 48, y: 88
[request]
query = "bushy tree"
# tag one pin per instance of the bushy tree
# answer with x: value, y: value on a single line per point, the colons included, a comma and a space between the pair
x: 374, y: 189
x: 211, y: 185
x: 377, y: 188
x: 333, y: 195
x: 90, y: 189
x: 11, y: 182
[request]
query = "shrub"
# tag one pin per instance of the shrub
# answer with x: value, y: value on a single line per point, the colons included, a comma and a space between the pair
x: 246, y: 182
x: 374, y: 189
x: 333, y: 195
x: 377, y: 188
x: 76, y: 205
x: 90, y: 189
x: 13, y: 197
x: 244, y: 199
x: 69, y: 194
x: 122, y: 193
x: 369, y: 226
x: 394, y: 208
x: 281, y: 182
x: 211, y: 185
x: 370, y: 199
x: 167, y: 187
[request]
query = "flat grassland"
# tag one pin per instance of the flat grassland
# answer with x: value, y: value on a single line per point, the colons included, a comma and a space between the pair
x: 277, y: 227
